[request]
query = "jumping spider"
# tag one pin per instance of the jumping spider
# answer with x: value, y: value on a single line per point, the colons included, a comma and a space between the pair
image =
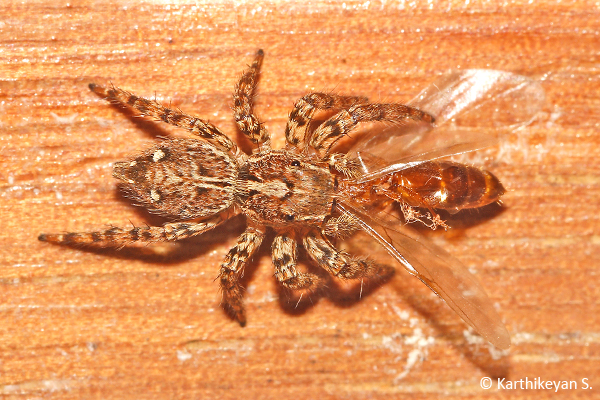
x: 305, y: 193
x: 203, y: 182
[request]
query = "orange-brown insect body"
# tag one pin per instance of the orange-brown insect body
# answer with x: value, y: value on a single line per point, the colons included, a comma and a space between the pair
x: 446, y: 185
x: 442, y: 185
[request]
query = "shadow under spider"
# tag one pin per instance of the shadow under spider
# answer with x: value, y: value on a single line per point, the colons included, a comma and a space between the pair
x: 344, y: 294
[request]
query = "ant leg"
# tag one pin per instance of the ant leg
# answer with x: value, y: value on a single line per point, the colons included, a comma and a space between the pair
x: 411, y: 212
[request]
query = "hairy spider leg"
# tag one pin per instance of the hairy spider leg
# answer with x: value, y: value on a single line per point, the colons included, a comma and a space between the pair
x: 153, y: 109
x: 343, y: 122
x: 284, y: 253
x: 339, y: 263
x: 304, y: 109
x: 120, y: 237
x: 341, y: 227
x: 243, y: 104
x: 232, y: 270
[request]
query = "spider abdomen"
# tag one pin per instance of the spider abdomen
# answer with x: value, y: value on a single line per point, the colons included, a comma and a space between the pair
x: 186, y: 178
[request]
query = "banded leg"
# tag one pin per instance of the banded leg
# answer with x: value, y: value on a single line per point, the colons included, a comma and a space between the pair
x: 304, y: 109
x: 233, y: 268
x: 153, y: 109
x: 350, y: 167
x: 341, y: 227
x: 343, y: 122
x: 243, y: 112
x: 118, y: 237
x: 340, y: 263
x: 284, y: 252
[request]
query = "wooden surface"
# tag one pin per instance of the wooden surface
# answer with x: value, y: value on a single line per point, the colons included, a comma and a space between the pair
x: 146, y: 322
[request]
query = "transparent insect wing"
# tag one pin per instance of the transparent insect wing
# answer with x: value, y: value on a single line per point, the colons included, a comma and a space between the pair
x: 437, y: 269
x: 472, y: 109
x: 502, y: 98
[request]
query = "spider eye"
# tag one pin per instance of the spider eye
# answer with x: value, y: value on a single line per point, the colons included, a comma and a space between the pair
x: 289, y: 217
x: 295, y: 163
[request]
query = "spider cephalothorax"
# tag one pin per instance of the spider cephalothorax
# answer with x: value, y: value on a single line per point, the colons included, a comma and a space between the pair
x: 281, y: 189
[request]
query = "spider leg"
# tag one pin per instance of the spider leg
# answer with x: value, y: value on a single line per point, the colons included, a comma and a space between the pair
x: 233, y: 268
x: 284, y: 252
x: 153, y: 109
x: 120, y: 237
x: 243, y: 112
x: 341, y: 227
x: 350, y: 167
x: 339, y: 263
x: 304, y: 109
x: 343, y: 122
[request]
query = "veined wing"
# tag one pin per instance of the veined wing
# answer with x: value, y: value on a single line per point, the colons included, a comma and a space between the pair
x: 472, y: 108
x: 443, y: 274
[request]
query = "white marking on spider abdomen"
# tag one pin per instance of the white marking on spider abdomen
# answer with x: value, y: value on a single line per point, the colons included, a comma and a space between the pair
x: 154, y: 195
x: 158, y: 155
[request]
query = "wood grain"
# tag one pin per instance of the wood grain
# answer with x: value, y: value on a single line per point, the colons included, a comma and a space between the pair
x: 145, y: 322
